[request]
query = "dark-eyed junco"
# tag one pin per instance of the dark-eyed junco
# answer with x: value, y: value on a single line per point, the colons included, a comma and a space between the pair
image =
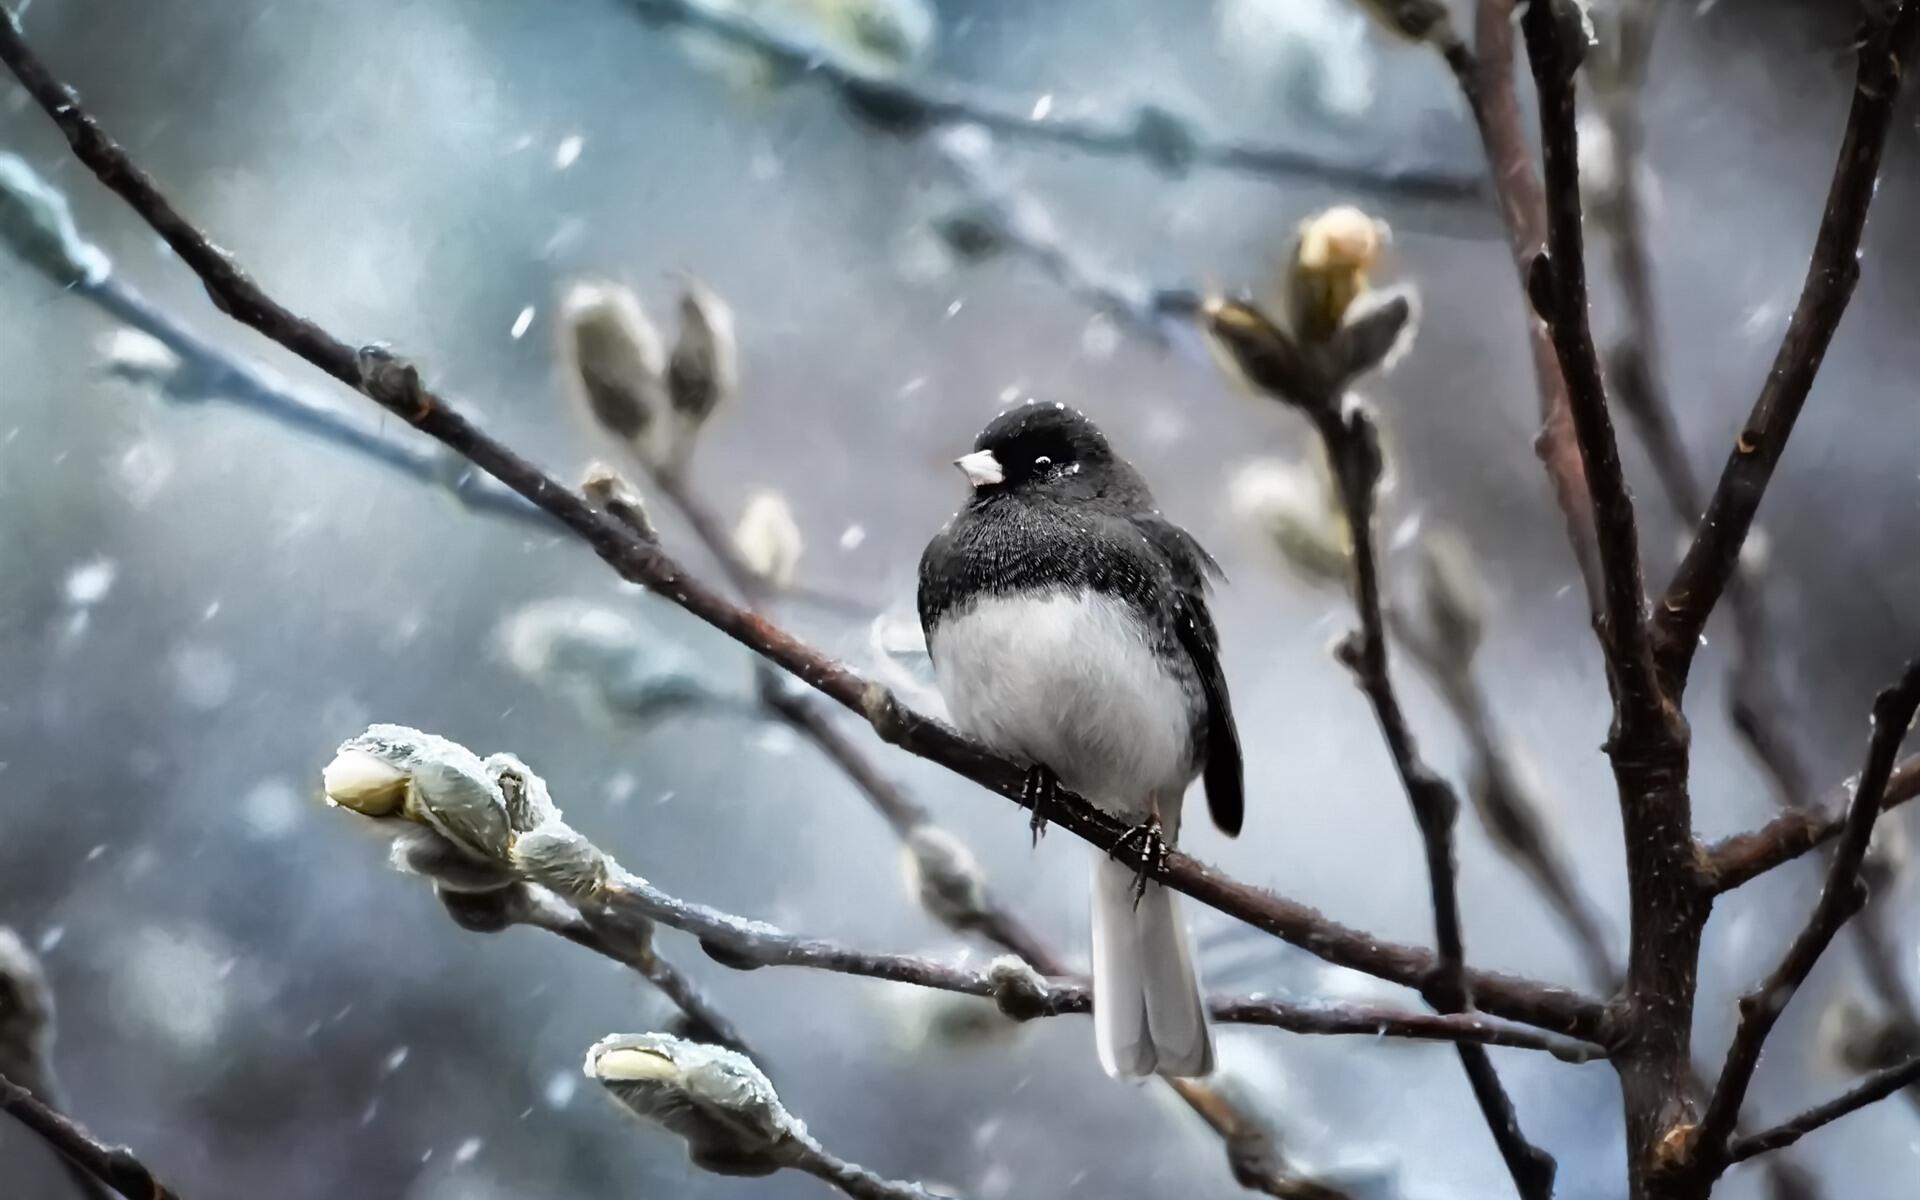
x: 1068, y: 625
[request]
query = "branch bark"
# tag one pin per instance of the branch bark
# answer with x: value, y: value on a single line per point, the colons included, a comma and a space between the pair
x: 396, y: 386
x: 1875, y: 1087
x: 1744, y: 857
x: 1714, y: 555
x: 1840, y: 897
x: 114, y: 1166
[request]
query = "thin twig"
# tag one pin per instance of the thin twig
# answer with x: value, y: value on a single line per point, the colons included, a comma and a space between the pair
x: 396, y: 387
x: 114, y: 1166
x: 1714, y: 555
x: 1744, y: 857
x: 26, y: 1040
x: 1162, y: 139
x: 1840, y: 897
x: 1875, y: 1087
x: 1557, y: 285
x: 1485, y: 78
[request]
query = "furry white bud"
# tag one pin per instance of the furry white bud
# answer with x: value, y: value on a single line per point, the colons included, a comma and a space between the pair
x: 769, y: 539
x: 615, y: 359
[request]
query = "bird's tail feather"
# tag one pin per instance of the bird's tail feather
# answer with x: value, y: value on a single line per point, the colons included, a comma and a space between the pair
x: 1148, y: 1013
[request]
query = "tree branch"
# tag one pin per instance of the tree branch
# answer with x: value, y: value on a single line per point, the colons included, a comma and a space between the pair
x: 1738, y: 860
x: 1875, y: 1087
x: 1840, y: 897
x: 1151, y: 134
x: 26, y: 1041
x: 114, y: 1166
x: 396, y: 387
x: 1486, y: 83
x: 1713, y: 557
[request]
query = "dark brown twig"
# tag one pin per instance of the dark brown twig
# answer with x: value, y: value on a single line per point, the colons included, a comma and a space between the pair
x: 114, y: 1166
x: 1744, y: 857
x: 1875, y: 1087
x: 397, y: 388
x: 1712, y: 559
x: 1840, y: 897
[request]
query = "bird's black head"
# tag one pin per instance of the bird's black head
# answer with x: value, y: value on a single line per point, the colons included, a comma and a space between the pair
x: 1043, y: 449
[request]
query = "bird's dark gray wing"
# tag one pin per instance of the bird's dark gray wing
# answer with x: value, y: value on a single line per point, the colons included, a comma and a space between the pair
x: 1193, y: 567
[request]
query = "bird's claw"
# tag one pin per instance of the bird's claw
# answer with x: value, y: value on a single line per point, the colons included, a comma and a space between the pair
x: 1040, y: 791
x: 1152, y: 856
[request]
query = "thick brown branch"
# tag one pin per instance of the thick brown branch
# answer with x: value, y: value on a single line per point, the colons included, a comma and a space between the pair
x: 1875, y: 1087
x: 1744, y: 857
x: 114, y: 1166
x: 1714, y: 556
x: 397, y: 388
x: 1840, y: 897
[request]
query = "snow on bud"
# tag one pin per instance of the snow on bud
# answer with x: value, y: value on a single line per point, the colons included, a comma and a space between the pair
x: 439, y: 783
x: 1332, y: 254
x: 529, y: 804
x: 768, y: 538
x: 613, y: 495
x: 138, y: 358
x: 715, y: 1099
x: 704, y: 370
x: 943, y: 873
x: 37, y: 223
x: 614, y: 358
x: 1018, y: 989
x: 1292, y: 504
x: 555, y: 856
x: 420, y: 850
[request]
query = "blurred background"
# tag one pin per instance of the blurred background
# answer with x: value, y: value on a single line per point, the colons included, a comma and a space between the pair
x: 199, y: 603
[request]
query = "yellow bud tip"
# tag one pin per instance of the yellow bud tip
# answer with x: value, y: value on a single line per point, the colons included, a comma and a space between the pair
x: 626, y: 1064
x: 1341, y: 238
x: 366, y: 784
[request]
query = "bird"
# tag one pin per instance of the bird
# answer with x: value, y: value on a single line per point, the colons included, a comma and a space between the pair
x: 1067, y: 622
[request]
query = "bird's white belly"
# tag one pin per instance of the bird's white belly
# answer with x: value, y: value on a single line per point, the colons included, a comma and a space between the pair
x: 1071, y: 681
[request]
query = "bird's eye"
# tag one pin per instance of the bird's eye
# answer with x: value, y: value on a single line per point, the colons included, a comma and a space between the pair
x: 1043, y: 461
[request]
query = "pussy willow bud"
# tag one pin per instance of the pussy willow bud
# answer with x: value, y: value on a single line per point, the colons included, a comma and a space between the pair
x: 614, y: 359
x: 1166, y: 139
x: 421, y: 850
x: 555, y: 856
x: 717, y: 1100
x: 1453, y: 596
x: 528, y: 802
x: 1377, y: 331
x: 1292, y: 504
x: 392, y: 770
x: 613, y: 495
x: 943, y: 873
x: 1327, y: 272
x: 139, y: 358
x: 704, y: 371
x: 769, y: 539
x: 881, y: 36
x: 37, y: 225
x: 1017, y: 988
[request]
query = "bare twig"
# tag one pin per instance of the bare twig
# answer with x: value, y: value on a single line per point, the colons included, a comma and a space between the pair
x: 1309, y: 369
x: 114, y: 1166
x: 397, y: 388
x: 1151, y: 134
x: 1744, y: 857
x: 1485, y: 78
x: 1840, y: 897
x: 1712, y: 559
x: 26, y: 1041
x: 1875, y: 1087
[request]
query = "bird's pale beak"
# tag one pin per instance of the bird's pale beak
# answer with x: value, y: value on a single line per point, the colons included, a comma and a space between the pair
x: 981, y: 468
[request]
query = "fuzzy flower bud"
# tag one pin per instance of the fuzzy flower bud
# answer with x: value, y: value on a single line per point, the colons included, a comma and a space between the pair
x: 943, y: 873
x: 1292, y: 504
x: 769, y: 539
x: 716, y: 1099
x: 614, y: 358
x: 704, y: 371
x: 391, y: 770
x: 1332, y: 254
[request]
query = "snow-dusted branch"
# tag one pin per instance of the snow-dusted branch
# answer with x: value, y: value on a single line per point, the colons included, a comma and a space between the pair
x: 883, y: 91
x: 488, y: 828
x: 113, y: 1166
x: 396, y: 386
x: 1874, y: 1088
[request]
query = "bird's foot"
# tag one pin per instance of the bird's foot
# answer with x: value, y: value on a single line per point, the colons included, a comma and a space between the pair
x: 1151, y: 857
x: 1041, y: 790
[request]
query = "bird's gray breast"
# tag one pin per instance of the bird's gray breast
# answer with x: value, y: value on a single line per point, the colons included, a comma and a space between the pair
x: 1072, y: 679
